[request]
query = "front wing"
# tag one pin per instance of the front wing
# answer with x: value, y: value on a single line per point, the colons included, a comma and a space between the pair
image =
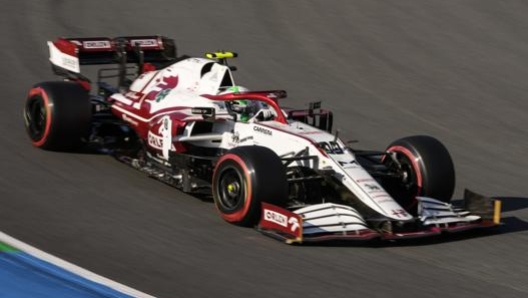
x: 335, y: 222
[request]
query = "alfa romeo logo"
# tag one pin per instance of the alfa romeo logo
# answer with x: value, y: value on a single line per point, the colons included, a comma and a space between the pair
x: 161, y: 95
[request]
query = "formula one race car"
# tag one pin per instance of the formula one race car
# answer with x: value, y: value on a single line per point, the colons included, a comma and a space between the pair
x: 184, y: 121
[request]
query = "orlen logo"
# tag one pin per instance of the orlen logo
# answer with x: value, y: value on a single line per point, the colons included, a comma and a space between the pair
x: 96, y: 44
x: 294, y: 224
x: 144, y: 42
x: 275, y: 217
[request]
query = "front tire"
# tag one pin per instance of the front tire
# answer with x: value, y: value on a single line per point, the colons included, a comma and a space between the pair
x: 57, y: 115
x: 244, y: 178
x: 425, y: 169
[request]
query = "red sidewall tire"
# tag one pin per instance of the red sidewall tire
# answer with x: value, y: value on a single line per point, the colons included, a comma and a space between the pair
x: 245, y: 177
x: 39, y: 92
x: 432, y: 168
x: 236, y: 215
x: 67, y: 119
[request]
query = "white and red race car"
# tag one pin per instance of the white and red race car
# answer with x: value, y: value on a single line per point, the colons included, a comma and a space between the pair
x: 184, y: 121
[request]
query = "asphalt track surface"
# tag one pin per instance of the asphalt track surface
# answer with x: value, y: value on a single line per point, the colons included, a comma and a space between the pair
x: 456, y: 70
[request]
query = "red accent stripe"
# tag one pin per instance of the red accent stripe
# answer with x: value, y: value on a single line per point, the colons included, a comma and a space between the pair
x: 142, y: 95
x: 39, y: 91
x: 160, y: 113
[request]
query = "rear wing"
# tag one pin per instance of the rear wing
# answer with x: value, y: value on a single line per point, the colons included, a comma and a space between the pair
x: 69, y: 53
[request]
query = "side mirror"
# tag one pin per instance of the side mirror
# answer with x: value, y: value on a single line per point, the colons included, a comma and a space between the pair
x: 207, y: 113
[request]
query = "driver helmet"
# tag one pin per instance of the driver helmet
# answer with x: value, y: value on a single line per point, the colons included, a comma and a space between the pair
x: 239, y: 106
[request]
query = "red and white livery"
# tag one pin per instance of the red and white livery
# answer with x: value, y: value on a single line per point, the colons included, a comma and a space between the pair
x: 184, y: 121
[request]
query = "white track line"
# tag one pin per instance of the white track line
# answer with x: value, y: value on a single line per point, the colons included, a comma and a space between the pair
x: 71, y: 267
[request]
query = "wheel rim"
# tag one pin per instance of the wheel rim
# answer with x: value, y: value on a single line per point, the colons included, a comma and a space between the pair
x: 407, y: 188
x: 232, y: 190
x: 36, y: 114
x: 409, y: 179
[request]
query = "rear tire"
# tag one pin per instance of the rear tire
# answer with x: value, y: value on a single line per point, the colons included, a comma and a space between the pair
x: 57, y: 115
x: 427, y: 170
x: 244, y: 178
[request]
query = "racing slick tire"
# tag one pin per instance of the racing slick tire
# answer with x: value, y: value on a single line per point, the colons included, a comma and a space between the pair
x: 244, y: 178
x: 57, y: 114
x: 427, y: 170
